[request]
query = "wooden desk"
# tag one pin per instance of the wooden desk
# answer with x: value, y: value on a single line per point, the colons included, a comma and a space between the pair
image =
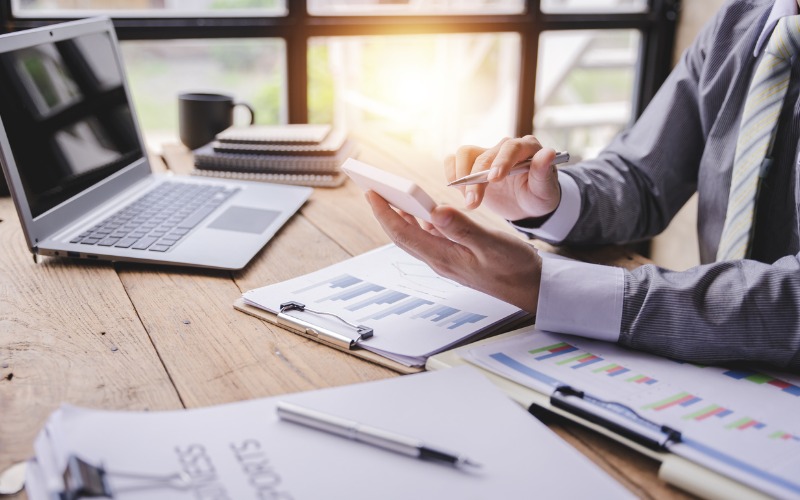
x: 136, y: 337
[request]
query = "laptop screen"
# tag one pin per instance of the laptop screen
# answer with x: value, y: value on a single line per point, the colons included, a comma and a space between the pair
x: 67, y: 117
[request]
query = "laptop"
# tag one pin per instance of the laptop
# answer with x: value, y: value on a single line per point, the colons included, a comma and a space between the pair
x: 73, y: 156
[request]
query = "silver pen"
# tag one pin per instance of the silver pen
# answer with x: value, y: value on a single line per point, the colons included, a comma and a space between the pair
x: 518, y: 168
x: 370, y: 435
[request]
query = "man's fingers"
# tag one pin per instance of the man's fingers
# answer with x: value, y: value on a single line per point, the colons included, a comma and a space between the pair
x: 410, y: 237
x: 543, y: 177
x: 431, y: 229
x: 511, y: 152
x: 464, y: 159
x: 473, y: 194
x: 393, y: 223
x: 459, y: 228
x: 542, y: 168
x: 410, y: 219
x: 445, y: 256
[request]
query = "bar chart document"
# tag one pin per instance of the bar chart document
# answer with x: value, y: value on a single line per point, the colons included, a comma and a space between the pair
x: 741, y: 423
x: 412, y: 311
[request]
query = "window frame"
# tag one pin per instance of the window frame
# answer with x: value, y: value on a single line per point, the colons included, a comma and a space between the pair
x: 657, y: 26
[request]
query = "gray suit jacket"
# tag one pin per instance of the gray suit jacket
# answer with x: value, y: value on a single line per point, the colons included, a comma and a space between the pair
x: 685, y: 142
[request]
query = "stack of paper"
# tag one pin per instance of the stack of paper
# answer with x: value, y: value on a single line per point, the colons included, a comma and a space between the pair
x: 243, y: 451
x: 413, y: 312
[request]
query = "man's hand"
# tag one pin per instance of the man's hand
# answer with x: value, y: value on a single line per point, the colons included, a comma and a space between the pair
x: 454, y: 246
x: 517, y: 197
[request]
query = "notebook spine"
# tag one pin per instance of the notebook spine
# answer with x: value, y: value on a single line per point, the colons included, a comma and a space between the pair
x: 271, y: 142
x: 303, y: 179
x: 273, y: 149
x: 331, y: 146
x: 294, y: 134
x: 246, y: 163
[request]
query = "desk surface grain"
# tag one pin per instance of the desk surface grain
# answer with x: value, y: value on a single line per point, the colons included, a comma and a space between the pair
x: 137, y: 337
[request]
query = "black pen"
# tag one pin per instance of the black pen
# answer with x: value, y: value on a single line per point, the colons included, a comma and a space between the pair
x: 616, y: 417
x: 370, y: 435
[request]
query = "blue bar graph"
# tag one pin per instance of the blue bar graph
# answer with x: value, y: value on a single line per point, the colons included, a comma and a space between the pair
x: 400, y: 308
x: 762, y: 379
x: 387, y: 297
x: 463, y: 319
x: 690, y: 402
x: 441, y: 312
x: 587, y: 363
x: 351, y: 293
x: 557, y: 352
x: 342, y: 281
x: 377, y: 302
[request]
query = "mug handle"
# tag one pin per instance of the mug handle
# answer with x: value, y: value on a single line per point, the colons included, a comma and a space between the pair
x: 249, y: 108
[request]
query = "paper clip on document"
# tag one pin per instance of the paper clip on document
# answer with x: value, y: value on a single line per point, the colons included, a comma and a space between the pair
x: 616, y: 417
x: 321, y: 333
x: 84, y: 480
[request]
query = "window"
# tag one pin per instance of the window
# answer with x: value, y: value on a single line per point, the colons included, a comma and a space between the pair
x: 596, y: 6
x: 253, y: 70
x: 150, y: 8
x: 412, y: 7
x: 433, y: 92
x: 584, y: 88
x: 431, y: 73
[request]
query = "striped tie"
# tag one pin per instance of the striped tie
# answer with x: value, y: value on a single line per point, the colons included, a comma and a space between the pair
x: 756, y: 136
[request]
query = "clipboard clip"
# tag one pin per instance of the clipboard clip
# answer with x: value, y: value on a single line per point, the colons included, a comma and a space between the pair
x: 321, y: 333
x: 616, y: 417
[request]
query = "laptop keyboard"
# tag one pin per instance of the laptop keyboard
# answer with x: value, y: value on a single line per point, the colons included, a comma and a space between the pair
x: 158, y: 220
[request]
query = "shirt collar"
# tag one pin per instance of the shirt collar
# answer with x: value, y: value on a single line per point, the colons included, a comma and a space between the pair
x: 781, y: 8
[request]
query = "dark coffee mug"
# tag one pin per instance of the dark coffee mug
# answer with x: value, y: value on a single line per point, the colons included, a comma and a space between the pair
x: 202, y: 116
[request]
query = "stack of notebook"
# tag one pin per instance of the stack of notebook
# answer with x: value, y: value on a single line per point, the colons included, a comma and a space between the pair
x: 302, y: 154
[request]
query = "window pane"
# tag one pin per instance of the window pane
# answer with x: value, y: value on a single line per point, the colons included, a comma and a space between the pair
x: 164, y: 8
x: 584, y: 88
x: 413, y: 7
x: 432, y: 92
x: 577, y: 6
x: 251, y: 70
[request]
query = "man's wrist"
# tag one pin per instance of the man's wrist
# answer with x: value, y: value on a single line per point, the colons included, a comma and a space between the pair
x: 555, y: 226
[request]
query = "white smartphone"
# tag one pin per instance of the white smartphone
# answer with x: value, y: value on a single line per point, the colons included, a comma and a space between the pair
x: 400, y: 192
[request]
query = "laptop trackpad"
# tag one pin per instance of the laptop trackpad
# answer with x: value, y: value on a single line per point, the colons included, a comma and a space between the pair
x: 245, y: 220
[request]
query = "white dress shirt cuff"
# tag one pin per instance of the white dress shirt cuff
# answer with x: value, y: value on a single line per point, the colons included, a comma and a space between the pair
x: 566, y: 215
x: 581, y: 299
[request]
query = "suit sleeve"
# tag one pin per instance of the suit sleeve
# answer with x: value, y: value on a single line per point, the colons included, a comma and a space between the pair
x: 635, y: 186
x: 717, y: 313
x: 723, y: 312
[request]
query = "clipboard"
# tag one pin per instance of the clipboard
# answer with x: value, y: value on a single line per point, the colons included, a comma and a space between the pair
x: 345, y: 340
x: 414, y: 312
x: 676, y: 470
